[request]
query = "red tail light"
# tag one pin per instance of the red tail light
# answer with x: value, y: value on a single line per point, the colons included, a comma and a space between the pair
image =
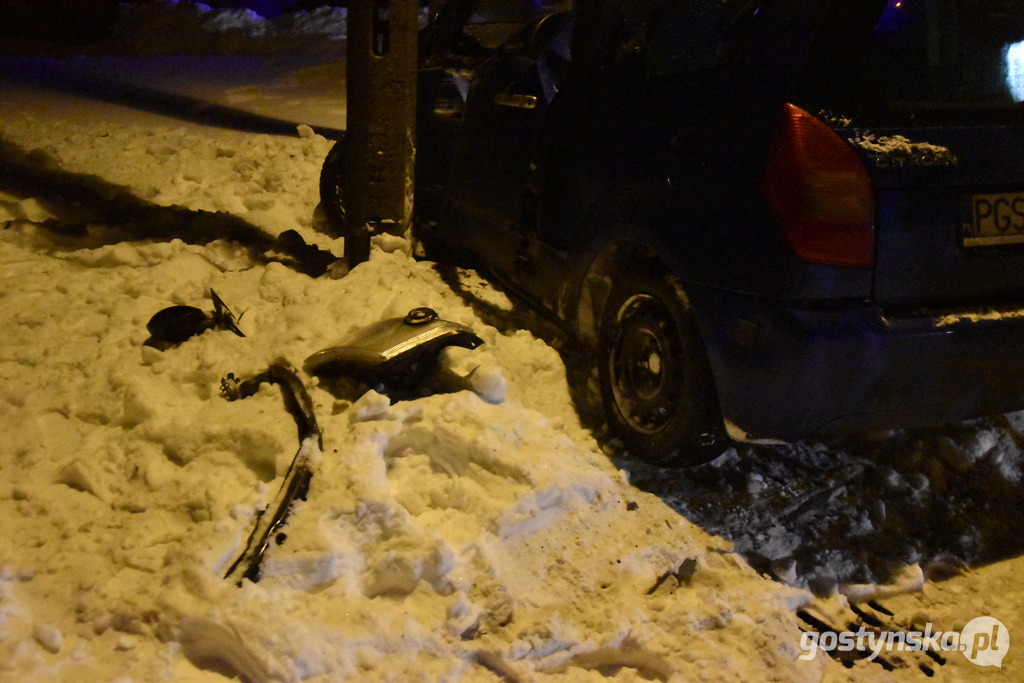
x: 819, y: 192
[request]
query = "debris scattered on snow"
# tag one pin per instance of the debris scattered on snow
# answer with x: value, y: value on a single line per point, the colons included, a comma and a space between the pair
x: 435, y: 529
x: 858, y: 512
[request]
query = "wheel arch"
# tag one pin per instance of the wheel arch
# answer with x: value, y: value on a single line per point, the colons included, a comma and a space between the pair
x: 617, y: 250
x: 629, y: 225
x: 624, y: 265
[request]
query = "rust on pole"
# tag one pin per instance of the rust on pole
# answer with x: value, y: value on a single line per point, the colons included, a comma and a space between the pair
x: 380, y: 144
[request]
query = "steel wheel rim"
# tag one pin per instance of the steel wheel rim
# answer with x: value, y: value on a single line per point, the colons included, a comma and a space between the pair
x: 646, y: 365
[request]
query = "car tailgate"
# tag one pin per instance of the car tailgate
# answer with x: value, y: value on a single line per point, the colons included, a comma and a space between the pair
x: 949, y: 224
x: 931, y: 94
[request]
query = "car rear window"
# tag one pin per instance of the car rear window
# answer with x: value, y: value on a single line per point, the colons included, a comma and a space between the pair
x: 927, y: 58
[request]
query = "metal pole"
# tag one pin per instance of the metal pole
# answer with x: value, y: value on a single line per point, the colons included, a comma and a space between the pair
x: 380, y: 144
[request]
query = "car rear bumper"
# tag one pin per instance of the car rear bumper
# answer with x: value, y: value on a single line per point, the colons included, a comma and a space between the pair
x: 790, y: 372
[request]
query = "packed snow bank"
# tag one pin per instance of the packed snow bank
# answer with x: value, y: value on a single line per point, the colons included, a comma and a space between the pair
x: 448, y: 537
x: 173, y: 27
x: 271, y: 181
x: 183, y: 27
x: 435, y: 530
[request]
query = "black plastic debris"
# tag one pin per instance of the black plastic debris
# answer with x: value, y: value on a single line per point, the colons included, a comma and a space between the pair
x: 296, y: 481
x: 296, y: 398
x: 176, y: 324
x: 306, y: 258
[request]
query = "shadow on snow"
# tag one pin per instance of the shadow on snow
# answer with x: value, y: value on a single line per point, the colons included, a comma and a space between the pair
x: 90, y: 212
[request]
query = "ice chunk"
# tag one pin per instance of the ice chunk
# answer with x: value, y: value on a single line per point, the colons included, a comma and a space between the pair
x: 48, y: 637
x: 489, y: 383
x: 370, y: 406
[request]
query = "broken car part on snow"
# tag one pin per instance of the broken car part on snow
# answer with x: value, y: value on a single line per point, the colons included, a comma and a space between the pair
x: 176, y: 324
x: 398, y: 352
x: 296, y: 480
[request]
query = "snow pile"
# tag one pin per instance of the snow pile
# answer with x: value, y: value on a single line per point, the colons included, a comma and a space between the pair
x: 985, y: 314
x: 183, y: 27
x: 189, y: 28
x: 447, y: 537
x: 898, y: 151
x: 271, y: 181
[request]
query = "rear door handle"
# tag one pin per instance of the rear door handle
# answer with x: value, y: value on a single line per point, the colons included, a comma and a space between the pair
x: 515, y: 100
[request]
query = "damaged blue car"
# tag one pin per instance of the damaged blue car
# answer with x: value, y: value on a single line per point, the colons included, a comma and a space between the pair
x: 771, y: 219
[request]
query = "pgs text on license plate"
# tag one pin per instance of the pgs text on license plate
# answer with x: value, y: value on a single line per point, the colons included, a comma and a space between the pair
x: 990, y: 219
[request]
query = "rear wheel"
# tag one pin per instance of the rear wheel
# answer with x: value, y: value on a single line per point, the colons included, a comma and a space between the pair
x: 655, y: 381
x: 332, y: 188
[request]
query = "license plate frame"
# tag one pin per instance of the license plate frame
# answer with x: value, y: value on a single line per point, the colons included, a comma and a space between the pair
x: 993, y: 219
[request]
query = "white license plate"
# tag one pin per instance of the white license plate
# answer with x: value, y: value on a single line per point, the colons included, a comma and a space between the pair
x: 994, y: 219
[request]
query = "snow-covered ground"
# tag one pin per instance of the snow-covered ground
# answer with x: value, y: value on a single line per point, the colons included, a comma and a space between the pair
x: 184, y: 57
x: 481, y: 534
x: 435, y: 530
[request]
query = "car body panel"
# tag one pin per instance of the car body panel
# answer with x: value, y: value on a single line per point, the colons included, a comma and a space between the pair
x: 790, y: 372
x: 924, y: 201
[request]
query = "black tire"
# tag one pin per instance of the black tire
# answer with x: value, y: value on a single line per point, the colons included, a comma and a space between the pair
x: 332, y: 188
x: 656, y: 384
